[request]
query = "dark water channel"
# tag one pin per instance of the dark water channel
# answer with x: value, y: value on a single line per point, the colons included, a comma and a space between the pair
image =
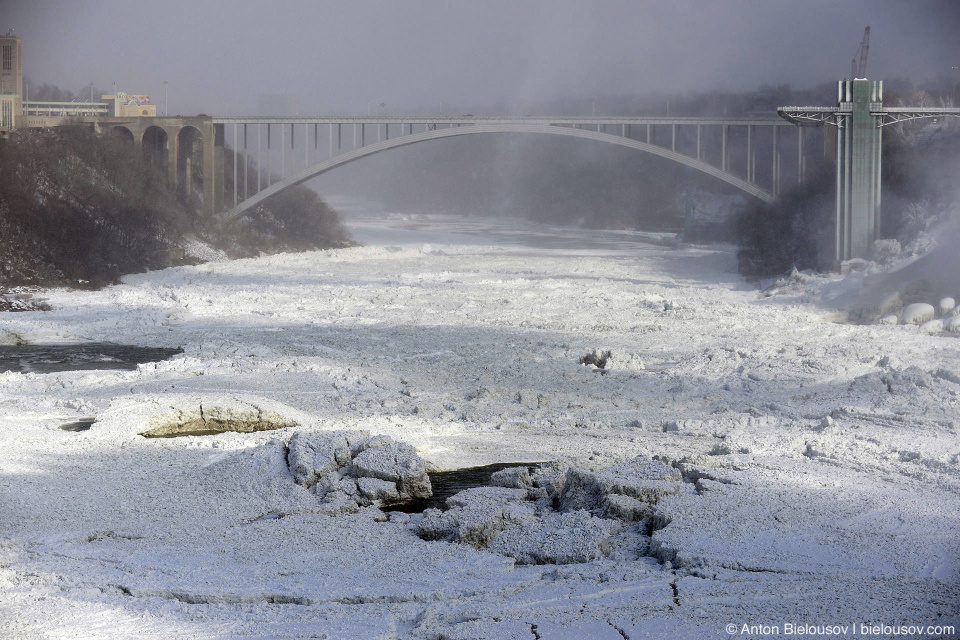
x: 83, y: 424
x: 448, y: 483
x: 38, y: 358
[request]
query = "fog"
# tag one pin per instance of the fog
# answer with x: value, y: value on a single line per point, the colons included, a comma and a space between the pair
x: 225, y: 57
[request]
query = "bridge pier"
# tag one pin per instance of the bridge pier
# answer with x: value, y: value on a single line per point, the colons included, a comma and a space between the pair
x: 173, y: 153
x: 211, y: 135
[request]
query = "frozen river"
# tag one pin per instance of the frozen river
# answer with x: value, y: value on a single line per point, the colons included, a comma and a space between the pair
x: 811, y: 478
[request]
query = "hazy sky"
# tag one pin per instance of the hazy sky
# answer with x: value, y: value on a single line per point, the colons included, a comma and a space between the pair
x: 221, y: 56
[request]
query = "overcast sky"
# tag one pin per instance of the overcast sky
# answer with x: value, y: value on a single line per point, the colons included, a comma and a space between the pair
x: 221, y: 56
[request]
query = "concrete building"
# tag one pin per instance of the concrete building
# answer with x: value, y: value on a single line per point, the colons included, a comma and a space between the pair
x: 11, y: 82
x: 125, y: 105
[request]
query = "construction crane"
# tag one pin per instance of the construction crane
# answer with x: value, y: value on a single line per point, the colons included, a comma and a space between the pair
x: 859, y: 69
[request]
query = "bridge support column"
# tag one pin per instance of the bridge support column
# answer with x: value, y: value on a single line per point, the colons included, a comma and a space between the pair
x: 173, y: 152
x: 858, y: 167
x: 801, y: 160
x: 775, y: 164
x: 212, y: 167
x: 723, y: 148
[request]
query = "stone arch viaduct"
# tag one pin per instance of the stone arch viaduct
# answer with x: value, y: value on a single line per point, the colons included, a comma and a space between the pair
x: 173, y: 143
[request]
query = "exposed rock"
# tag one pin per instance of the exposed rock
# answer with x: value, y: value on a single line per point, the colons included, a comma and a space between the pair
x: 237, y: 414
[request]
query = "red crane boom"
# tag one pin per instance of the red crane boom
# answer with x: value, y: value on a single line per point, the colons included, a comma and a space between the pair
x: 859, y: 70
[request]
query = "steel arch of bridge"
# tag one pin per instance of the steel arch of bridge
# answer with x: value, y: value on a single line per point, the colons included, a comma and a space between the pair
x: 460, y: 127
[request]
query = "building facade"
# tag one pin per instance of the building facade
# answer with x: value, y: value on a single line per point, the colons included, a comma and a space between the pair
x: 125, y: 105
x: 11, y: 82
x: 15, y: 112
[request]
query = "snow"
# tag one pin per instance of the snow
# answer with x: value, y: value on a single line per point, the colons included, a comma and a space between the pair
x: 917, y: 313
x: 743, y: 457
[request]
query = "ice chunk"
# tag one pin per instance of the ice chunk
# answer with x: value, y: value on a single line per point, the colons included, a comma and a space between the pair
x: 946, y: 305
x: 558, y: 538
x: 952, y: 324
x: 620, y: 507
x: 917, y: 313
x: 396, y: 462
x: 476, y: 516
x: 378, y: 491
x: 513, y: 477
x: 9, y: 339
x: 312, y: 455
x: 932, y: 326
x: 641, y: 478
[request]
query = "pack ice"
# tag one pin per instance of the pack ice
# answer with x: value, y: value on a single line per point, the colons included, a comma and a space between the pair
x: 719, y: 453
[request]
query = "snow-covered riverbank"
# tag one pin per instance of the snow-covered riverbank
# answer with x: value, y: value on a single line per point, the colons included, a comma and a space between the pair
x: 821, y: 483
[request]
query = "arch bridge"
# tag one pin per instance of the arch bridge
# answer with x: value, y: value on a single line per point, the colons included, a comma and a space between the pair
x: 725, y: 148
x: 270, y: 154
x: 265, y: 155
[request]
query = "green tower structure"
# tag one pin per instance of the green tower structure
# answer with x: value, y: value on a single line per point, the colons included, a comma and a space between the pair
x: 859, y: 118
x: 858, y: 167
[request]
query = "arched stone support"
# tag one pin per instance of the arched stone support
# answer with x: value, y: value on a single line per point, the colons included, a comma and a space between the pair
x: 211, y: 134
